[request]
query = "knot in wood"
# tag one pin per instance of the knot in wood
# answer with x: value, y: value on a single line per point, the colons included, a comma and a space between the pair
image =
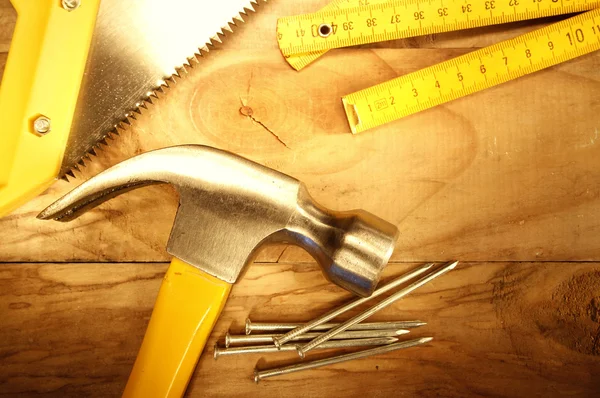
x: 246, y: 111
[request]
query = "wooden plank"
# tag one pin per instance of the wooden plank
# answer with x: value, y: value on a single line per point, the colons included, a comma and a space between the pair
x: 506, y: 174
x: 475, y: 179
x: 500, y: 329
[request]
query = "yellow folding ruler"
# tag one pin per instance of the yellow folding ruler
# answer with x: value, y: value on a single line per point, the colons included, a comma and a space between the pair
x: 304, y: 38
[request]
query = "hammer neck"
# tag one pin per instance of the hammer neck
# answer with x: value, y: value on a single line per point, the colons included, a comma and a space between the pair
x: 352, y: 247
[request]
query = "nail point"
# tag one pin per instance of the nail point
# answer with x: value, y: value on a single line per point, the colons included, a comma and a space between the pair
x: 402, y: 331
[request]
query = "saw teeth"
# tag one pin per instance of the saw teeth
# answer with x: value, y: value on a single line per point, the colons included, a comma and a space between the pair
x: 164, y: 85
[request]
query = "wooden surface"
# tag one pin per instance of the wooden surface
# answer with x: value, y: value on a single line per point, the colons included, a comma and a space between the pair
x: 505, y: 180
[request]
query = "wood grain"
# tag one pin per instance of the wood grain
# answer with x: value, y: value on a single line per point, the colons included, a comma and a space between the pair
x: 506, y: 179
x: 475, y: 179
x: 500, y: 329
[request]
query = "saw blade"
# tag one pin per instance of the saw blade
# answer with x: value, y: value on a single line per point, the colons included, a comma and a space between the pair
x: 137, y: 47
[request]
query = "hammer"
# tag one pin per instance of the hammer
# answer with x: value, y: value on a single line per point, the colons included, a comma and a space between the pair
x: 228, y: 208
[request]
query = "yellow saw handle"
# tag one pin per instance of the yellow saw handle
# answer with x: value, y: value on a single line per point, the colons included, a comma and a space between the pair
x: 42, y: 78
x: 188, y: 305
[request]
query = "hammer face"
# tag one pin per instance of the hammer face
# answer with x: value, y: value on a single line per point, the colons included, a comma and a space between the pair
x: 362, y: 251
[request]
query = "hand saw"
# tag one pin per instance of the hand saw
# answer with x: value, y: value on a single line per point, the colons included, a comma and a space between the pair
x: 77, y: 69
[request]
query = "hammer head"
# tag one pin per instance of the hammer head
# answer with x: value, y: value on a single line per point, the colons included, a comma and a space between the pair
x: 229, y: 206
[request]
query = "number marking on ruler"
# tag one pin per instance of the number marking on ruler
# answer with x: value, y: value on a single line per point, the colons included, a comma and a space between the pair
x: 343, y: 23
x: 473, y: 72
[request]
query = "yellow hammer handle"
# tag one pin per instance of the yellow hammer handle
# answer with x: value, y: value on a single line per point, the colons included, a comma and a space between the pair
x: 188, y: 305
x: 42, y: 78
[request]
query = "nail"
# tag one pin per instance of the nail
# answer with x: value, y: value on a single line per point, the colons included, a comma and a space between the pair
x: 284, y: 327
x: 346, y: 307
x: 268, y: 338
x: 261, y: 349
x: 263, y: 374
x: 381, y: 305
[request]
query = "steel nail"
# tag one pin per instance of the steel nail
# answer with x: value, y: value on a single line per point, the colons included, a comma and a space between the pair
x: 231, y: 339
x: 346, y: 307
x: 381, y: 305
x: 263, y: 374
x: 281, y: 327
x: 218, y: 351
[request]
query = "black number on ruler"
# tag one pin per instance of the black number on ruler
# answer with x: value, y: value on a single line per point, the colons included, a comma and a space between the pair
x: 466, y: 8
x: 419, y: 15
x: 443, y: 12
x: 513, y: 3
x: 392, y: 101
x: 395, y: 19
x: 596, y: 29
x: 348, y: 26
x: 415, y: 93
x: 437, y: 84
x: 578, y: 35
x: 505, y: 60
x: 551, y: 45
x: 528, y: 53
x: 363, y: 2
x: 371, y: 22
x: 490, y: 5
x: 482, y: 68
x: 460, y: 76
x: 333, y: 28
x: 301, y: 32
